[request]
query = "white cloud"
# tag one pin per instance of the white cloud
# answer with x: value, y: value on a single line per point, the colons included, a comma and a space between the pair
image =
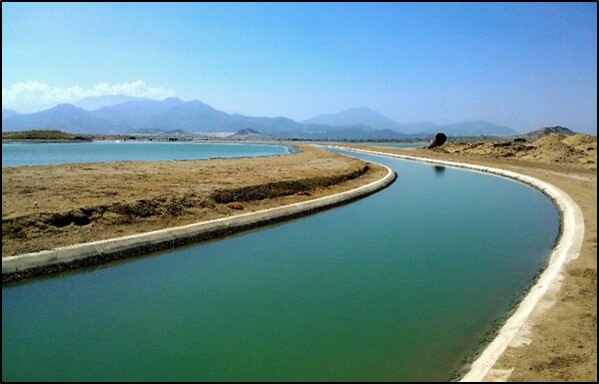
x: 29, y: 96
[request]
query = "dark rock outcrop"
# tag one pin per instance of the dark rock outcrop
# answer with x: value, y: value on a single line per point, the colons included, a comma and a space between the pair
x: 439, y: 140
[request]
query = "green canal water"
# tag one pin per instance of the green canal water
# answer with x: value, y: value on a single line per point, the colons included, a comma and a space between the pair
x: 402, y: 285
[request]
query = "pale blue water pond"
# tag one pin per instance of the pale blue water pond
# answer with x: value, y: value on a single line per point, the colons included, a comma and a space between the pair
x: 19, y: 154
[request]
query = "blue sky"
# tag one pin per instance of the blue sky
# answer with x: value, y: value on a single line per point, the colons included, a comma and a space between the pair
x: 519, y: 65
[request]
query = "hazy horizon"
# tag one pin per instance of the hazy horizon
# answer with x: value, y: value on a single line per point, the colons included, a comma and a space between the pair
x: 523, y: 66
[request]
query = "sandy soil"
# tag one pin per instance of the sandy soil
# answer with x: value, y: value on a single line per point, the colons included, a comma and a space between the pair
x: 563, y: 331
x: 579, y: 150
x: 44, y: 207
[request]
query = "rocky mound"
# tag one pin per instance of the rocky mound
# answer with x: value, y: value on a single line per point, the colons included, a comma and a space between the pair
x: 542, y: 132
x: 247, y: 133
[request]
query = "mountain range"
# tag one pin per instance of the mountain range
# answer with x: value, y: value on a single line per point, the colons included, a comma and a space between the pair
x: 375, y: 120
x: 123, y: 114
x: 93, y: 103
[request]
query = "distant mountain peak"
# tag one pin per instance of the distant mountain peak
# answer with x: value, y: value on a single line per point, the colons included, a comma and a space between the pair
x: 247, y: 131
x: 94, y: 103
x: 354, y: 111
x: 542, y: 132
x: 65, y: 107
x: 558, y: 129
x: 355, y: 116
x: 6, y: 113
x: 360, y: 109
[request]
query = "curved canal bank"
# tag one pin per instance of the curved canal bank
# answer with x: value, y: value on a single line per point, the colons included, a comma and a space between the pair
x: 81, y: 255
x: 399, y: 286
x: 566, y: 249
x: 46, y: 207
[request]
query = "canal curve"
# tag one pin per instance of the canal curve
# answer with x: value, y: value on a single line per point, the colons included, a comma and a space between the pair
x: 403, y: 285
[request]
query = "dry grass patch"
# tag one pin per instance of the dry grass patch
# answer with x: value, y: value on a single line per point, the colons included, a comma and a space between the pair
x: 48, y: 206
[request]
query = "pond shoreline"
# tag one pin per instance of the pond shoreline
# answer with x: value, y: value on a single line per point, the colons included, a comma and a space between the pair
x: 40, y: 152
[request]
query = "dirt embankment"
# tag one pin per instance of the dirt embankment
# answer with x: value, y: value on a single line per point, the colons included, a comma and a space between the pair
x: 44, y: 207
x: 578, y: 150
x: 563, y: 328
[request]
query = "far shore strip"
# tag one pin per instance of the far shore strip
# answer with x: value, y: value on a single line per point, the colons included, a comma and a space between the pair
x: 565, y: 250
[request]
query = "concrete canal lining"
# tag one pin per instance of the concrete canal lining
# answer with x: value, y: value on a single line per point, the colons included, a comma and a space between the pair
x: 566, y: 249
x: 97, y: 252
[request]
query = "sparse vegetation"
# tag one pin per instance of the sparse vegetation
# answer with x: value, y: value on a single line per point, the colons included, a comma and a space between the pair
x: 54, y: 135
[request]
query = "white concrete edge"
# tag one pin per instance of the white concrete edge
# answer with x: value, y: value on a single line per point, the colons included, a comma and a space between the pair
x: 566, y: 249
x: 69, y: 254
